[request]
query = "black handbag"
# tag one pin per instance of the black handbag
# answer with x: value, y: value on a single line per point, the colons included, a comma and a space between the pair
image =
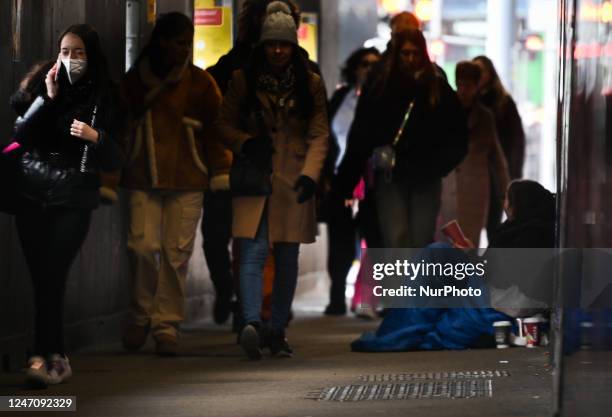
x: 11, y: 200
x: 42, y: 178
x: 247, y: 179
x: 384, y: 157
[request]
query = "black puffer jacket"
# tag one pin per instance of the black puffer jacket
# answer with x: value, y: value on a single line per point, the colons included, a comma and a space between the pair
x: 43, y: 128
x: 433, y: 143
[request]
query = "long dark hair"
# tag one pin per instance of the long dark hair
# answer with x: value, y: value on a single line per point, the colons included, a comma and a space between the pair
x: 251, y: 17
x: 353, y: 62
x: 97, y: 65
x: 105, y: 88
x: 303, y: 95
x: 427, y: 76
x: 495, y: 83
x: 530, y: 200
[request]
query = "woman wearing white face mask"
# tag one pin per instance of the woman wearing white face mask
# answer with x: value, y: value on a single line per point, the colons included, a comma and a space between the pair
x: 66, y: 124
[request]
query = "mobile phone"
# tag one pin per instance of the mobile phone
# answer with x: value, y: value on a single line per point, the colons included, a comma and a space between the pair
x: 58, y: 65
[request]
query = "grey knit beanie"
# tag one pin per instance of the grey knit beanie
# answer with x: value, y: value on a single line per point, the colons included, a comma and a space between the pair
x: 278, y: 24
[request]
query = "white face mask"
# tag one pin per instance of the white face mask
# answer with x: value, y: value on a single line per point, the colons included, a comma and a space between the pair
x: 75, y: 68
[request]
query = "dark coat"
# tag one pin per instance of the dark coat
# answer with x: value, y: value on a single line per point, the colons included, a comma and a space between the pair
x: 329, y: 206
x: 531, y: 233
x: 336, y: 100
x: 43, y: 126
x: 334, y: 149
x: 434, y: 141
x: 509, y: 130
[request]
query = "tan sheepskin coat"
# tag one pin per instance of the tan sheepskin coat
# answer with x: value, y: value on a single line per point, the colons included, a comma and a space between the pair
x: 300, y: 149
x: 172, y: 143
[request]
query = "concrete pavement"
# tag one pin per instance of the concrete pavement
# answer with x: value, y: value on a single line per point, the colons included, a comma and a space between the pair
x: 212, y: 378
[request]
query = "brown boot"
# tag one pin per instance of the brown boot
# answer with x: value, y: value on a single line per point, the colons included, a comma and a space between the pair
x: 135, y: 336
x: 167, y: 345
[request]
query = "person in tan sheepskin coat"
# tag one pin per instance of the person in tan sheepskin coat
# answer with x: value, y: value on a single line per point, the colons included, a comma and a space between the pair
x: 171, y: 158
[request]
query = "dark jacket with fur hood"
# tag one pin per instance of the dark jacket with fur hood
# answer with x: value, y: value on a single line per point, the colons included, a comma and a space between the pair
x: 43, y: 127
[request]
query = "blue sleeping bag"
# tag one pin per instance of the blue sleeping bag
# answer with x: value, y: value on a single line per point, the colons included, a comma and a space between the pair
x: 432, y: 328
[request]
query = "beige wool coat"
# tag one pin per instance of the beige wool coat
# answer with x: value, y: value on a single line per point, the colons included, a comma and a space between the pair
x: 300, y: 148
x: 467, y: 188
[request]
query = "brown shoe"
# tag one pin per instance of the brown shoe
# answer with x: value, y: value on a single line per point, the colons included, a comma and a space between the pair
x: 135, y: 336
x: 166, y: 345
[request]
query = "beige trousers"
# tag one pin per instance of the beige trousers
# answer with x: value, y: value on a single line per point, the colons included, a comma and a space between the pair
x: 160, y: 240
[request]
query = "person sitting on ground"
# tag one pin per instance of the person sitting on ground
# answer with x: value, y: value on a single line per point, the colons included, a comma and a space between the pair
x: 531, y: 218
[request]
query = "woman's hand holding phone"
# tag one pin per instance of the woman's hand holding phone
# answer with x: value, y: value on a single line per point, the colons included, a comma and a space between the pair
x: 51, y: 80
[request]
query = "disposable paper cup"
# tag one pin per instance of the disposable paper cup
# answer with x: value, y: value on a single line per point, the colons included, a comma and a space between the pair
x: 502, y: 334
x: 531, y: 328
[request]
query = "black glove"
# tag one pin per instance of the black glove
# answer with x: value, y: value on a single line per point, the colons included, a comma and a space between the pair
x: 305, y: 187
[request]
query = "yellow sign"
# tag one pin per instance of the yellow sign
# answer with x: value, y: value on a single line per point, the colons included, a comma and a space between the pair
x: 308, y: 36
x: 213, y: 33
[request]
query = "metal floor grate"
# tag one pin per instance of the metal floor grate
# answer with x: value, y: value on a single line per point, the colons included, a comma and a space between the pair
x: 460, y: 389
x: 434, y: 375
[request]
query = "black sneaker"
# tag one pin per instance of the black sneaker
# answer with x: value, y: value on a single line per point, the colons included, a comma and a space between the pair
x: 334, y: 309
x: 250, y: 340
x: 279, y: 347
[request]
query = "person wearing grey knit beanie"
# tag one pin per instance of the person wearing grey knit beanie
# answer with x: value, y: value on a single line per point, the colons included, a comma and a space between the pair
x: 279, y: 25
x: 274, y: 117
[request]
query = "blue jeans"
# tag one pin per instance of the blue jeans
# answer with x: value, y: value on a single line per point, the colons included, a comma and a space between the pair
x: 253, y: 254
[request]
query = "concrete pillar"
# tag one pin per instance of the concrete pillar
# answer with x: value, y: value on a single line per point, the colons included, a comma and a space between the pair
x: 357, y: 23
x: 548, y: 151
x: 501, y: 34
x: 329, y: 43
x: 435, y: 26
x: 132, y: 31
x: 183, y: 6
